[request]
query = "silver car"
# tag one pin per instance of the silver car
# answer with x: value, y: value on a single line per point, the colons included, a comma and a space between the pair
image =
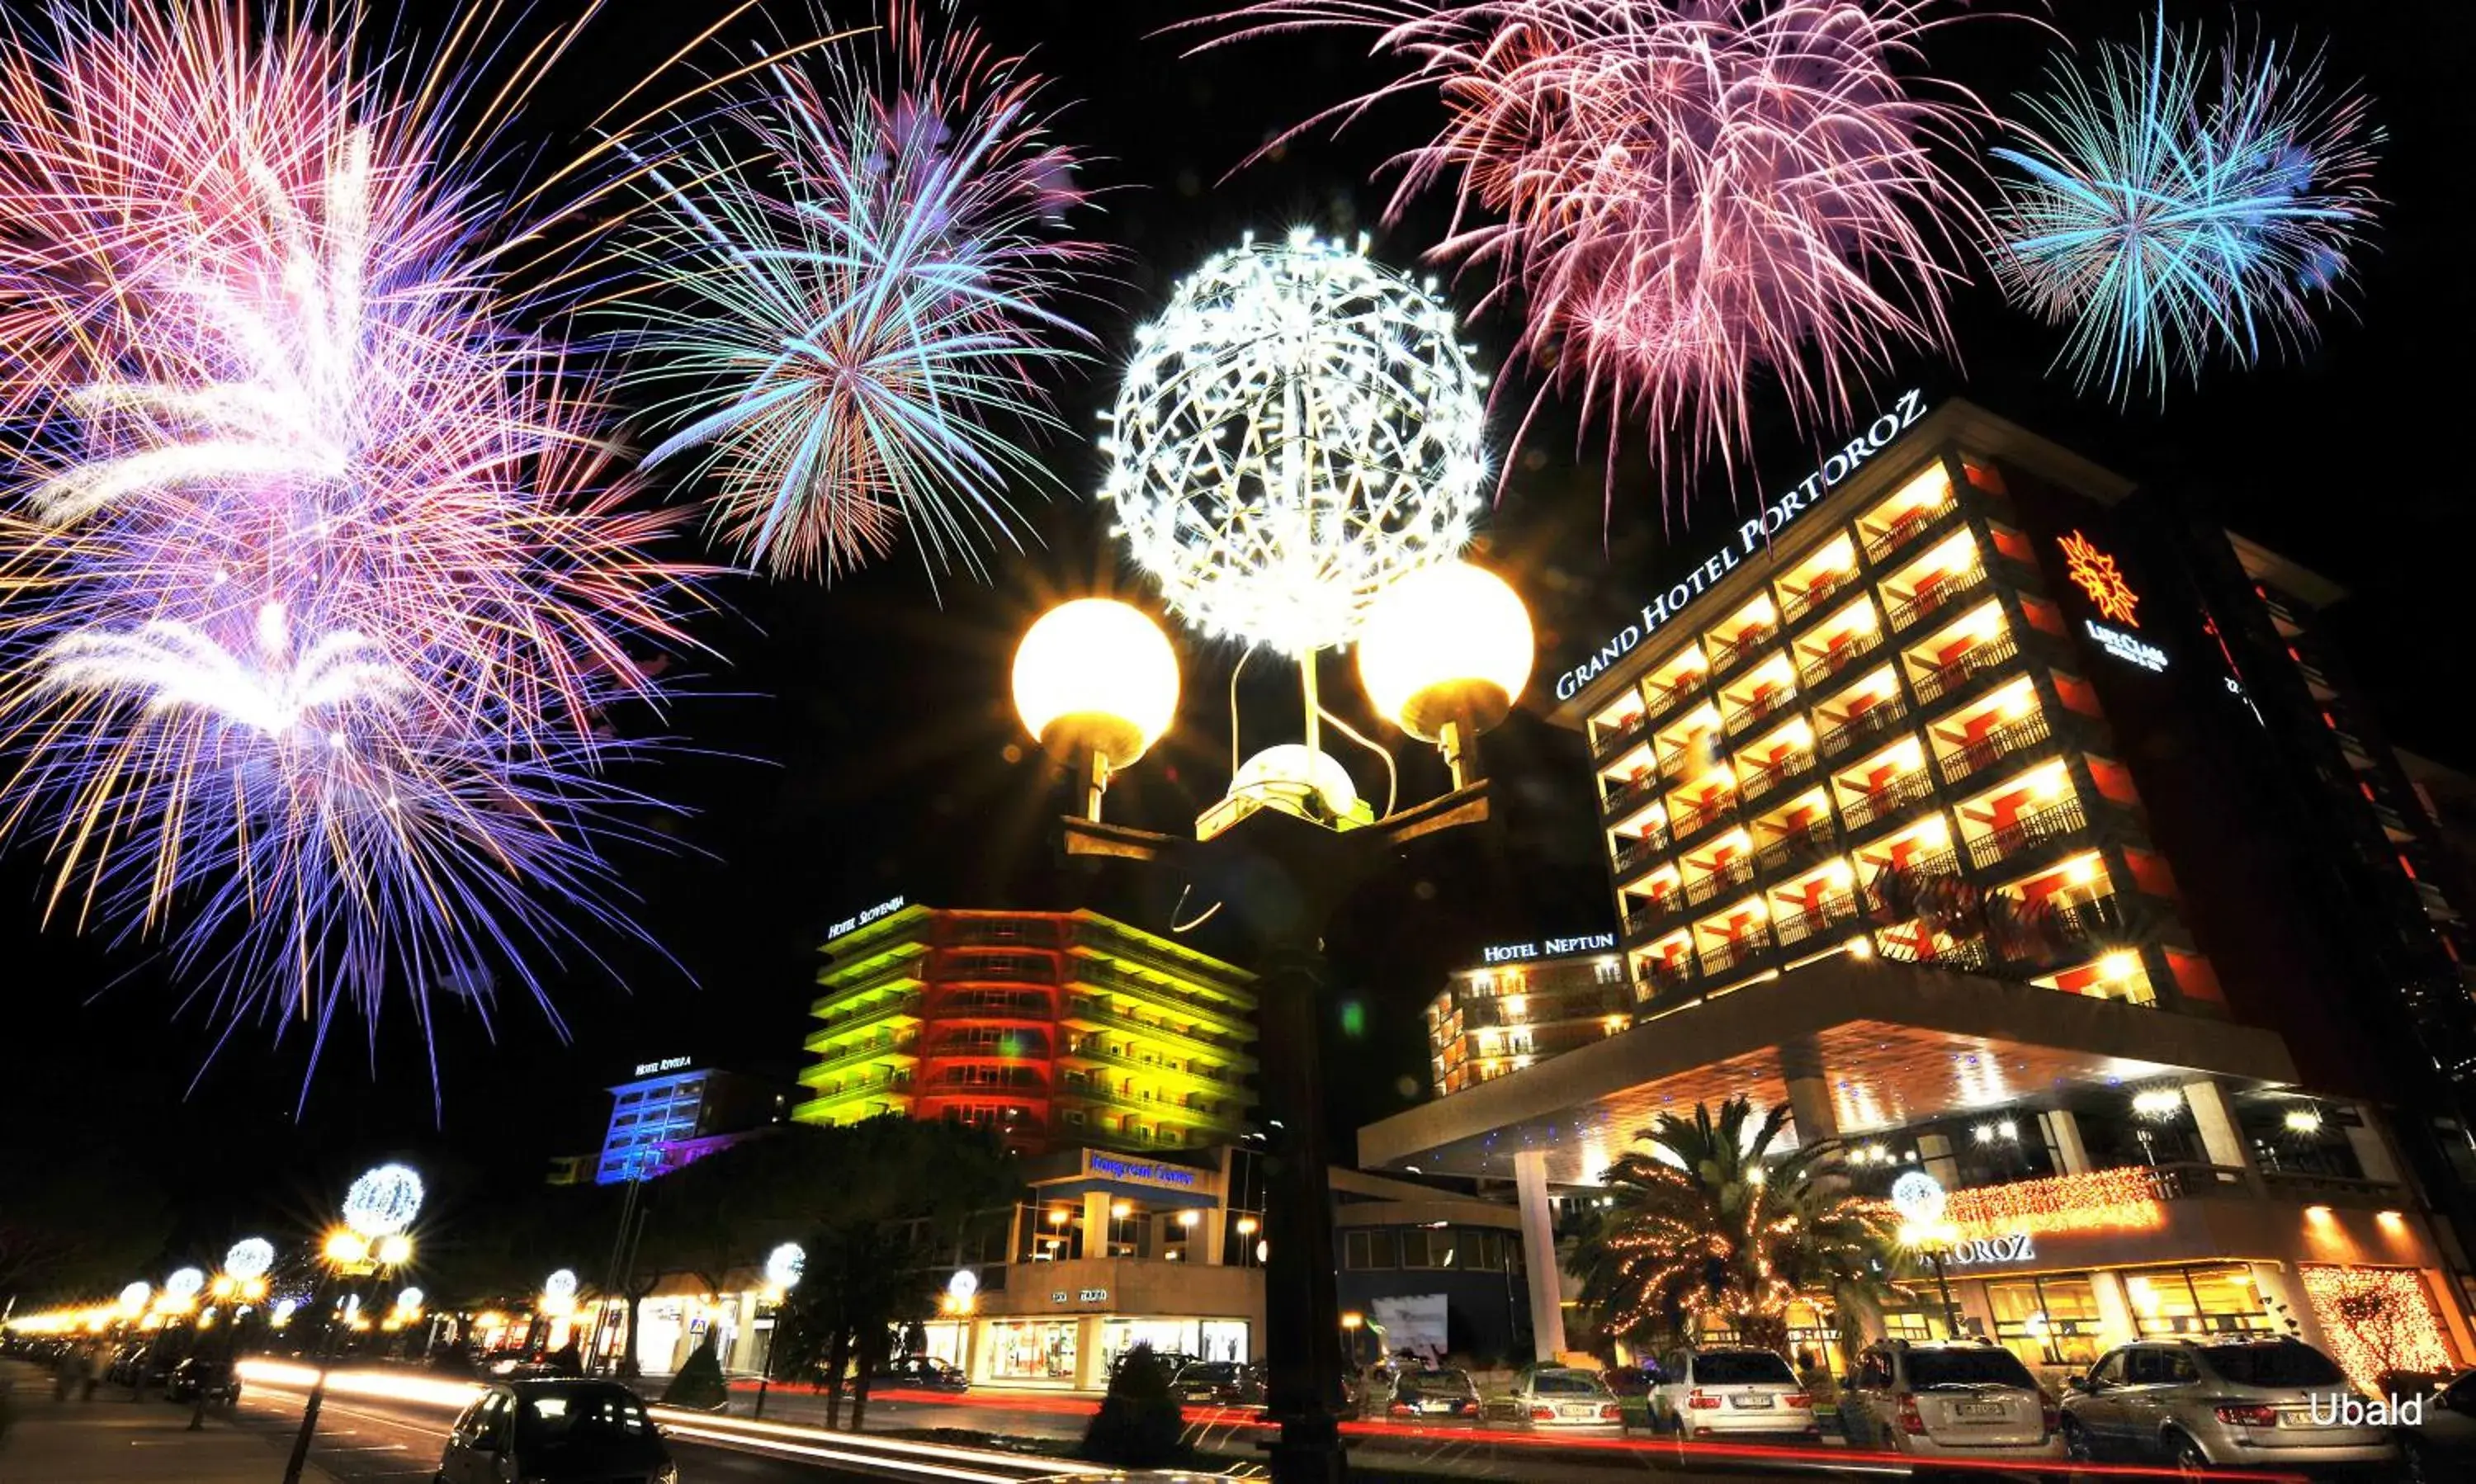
x: 1554, y: 1398
x: 2243, y: 1404
x: 1730, y: 1392
x: 1949, y: 1401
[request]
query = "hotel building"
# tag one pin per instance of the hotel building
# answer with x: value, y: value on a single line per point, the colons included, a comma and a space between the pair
x: 1956, y: 801
x: 1522, y: 1004
x: 1058, y: 1029
x: 674, y: 1112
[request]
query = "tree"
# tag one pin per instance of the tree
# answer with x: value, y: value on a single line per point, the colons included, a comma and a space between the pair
x: 1697, y: 1225
x: 1140, y: 1424
x: 700, y: 1383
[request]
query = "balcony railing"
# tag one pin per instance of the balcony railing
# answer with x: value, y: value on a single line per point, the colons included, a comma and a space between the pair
x: 1099, y: 1014
x: 2054, y: 933
x: 1729, y: 655
x: 1881, y: 803
x: 1641, y: 851
x: 1662, y: 700
x: 2027, y: 832
x: 1090, y: 1051
x: 1934, y: 600
x: 858, y: 1052
x: 1653, y: 913
x: 2006, y: 741
x: 1826, y: 913
x: 1911, y: 525
x: 1693, y: 822
x: 1810, y: 839
x: 1630, y: 793
x: 891, y: 1081
x: 1864, y: 726
x: 1774, y: 775
x: 1815, y: 672
x: 905, y: 1003
x: 1755, y: 712
x: 1546, y: 1009
x: 1947, y: 679
x: 1915, y: 946
x: 1736, y: 873
x: 1617, y: 738
x: 1658, y: 980
x: 1734, y: 953
x: 1826, y: 587
x: 1088, y: 972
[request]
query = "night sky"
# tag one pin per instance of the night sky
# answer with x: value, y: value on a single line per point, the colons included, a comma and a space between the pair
x: 858, y: 742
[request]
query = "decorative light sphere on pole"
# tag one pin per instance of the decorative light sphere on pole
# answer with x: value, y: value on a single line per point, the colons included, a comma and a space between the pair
x: 1299, y: 428
x: 1919, y: 1198
x: 382, y: 1201
x: 1444, y: 643
x: 560, y: 1286
x: 134, y: 1298
x: 184, y: 1285
x: 1096, y: 676
x: 785, y: 1265
x: 250, y: 1258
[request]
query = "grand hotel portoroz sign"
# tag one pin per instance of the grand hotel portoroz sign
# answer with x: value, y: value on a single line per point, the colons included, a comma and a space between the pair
x: 1879, y: 434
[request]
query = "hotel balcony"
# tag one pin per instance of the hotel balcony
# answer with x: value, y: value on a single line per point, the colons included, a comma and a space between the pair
x: 2019, y: 740
x: 1802, y: 843
x: 1819, y: 668
x: 1927, y: 602
x: 1685, y: 677
x: 1607, y: 740
x: 1758, y: 709
x: 1629, y: 793
x: 1825, y: 575
x: 1654, y: 913
x: 1637, y: 852
x: 1885, y: 801
x: 1221, y: 1016
x: 843, y: 1021
x: 1737, y: 639
x: 1093, y: 1050
x: 1719, y: 880
x: 1731, y: 956
x: 1875, y: 721
x: 833, y: 1095
x: 1821, y: 919
x: 843, y: 1054
x: 2019, y: 841
x: 1915, y: 511
x: 1082, y: 1014
x: 1759, y: 783
x: 1687, y: 821
x: 1954, y: 677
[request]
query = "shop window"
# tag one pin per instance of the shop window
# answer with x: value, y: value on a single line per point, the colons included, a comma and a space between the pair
x: 2047, y: 1320
x: 1369, y: 1250
x: 1037, y: 1351
x: 2195, y: 1300
x: 1427, y: 1246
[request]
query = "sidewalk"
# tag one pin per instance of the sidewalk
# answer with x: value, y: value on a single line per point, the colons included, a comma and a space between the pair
x: 112, y: 1440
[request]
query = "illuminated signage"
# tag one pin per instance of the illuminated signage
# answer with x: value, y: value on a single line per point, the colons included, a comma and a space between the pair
x: 1551, y: 948
x: 1878, y: 436
x: 1978, y: 1252
x: 1093, y: 1295
x: 1124, y: 1170
x: 882, y: 909
x: 2094, y: 573
x: 2124, y: 647
x: 667, y: 1064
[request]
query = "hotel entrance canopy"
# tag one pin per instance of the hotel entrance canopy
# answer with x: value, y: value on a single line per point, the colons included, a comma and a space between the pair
x: 1891, y: 1043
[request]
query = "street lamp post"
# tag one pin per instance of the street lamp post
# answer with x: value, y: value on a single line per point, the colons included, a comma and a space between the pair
x: 1443, y: 654
x: 378, y: 1208
x: 784, y: 1267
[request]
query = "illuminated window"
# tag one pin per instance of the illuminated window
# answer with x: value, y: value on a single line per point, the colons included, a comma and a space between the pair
x: 2195, y: 1301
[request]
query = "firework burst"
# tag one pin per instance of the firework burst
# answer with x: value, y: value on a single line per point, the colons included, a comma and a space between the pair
x: 2168, y: 205
x: 1688, y: 196
x: 320, y: 588
x: 854, y: 304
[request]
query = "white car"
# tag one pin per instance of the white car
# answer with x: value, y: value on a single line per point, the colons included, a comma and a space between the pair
x: 1967, y: 1399
x: 1726, y: 1393
x: 1554, y: 1398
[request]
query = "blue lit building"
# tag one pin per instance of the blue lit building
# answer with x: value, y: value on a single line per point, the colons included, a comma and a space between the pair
x: 675, y: 1112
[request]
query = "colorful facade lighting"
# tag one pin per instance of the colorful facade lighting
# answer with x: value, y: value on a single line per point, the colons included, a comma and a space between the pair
x: 2119, y: 1199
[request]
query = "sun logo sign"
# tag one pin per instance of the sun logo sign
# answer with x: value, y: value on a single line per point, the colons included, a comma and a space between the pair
x: 2095, y: 574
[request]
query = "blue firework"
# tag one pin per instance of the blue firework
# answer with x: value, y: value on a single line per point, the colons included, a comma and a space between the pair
x: 2170, y: 202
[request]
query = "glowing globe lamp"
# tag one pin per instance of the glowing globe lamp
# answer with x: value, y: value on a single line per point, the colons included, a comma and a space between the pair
x: 382, y: 1201
x: 184, y: 1285
x: 1097, y: 682
x: 134, y: 1298
x: 785, y: 1265
x: 250, y: 1258
x: 1446, y: 643
x: 394, y: 1250
x: 346, y: 1247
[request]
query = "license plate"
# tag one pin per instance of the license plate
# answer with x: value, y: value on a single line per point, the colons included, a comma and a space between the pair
x: 1570, y: 1409
x: 1757, y: 1400
x: 2298, y: 1416
x: 1980, y: 1411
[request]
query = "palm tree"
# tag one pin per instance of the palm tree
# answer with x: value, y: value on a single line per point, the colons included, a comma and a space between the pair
x: 1697, y: 1224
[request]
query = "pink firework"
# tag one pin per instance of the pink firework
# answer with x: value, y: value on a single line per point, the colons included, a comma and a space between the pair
x: 1688, y: 196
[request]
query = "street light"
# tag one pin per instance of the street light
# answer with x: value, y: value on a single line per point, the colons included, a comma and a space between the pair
x: 1921, y: 1201
x: 378, y: 1209
x: 1097, y: 682
x: 784, y: 1267
x: 1444, y: 652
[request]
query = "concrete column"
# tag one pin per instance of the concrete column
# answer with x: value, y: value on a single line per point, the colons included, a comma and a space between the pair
x: 1934, y: 1151
x: 2372, y: 1146
x: 1096, y: 1224
x: 2115, y: 1325
x: 1090, y: 1373
x: 2064, y: 1137
x: 1809, y: 1103
x: 1212, y: 1236
x: 2221, y: 1139
x: 2284, y: 1301
x: 1539, y: 1254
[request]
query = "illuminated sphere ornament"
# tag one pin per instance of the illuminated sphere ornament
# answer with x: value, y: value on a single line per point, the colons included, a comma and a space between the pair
x: 134, y: 1298
x: 1298, y: 428
x: 1448, y: 641
x: 1918, y: 1196
x: 784, y: 1264
x: 560, y: 1286
x: 1096, y: 676
x: 382, y: 1201
x: 184, y: 1285
x: 409, y: 1300
x: 963, y: 1286
x: 249, y: 1258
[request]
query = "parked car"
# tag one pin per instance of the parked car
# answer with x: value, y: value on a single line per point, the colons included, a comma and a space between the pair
x: 557, y: 1432
x: 144, y: 1365
x: 922, y: 1372
x: 1224, y: 1381
x: 1730, y: 1392
x: 1555, y: 1397
x: 1434, y: 1395
x: 2194, y: 1404
x: 2443, y: 1445
x: 207, y: 1377
x: 1628, y: 1380
x: 1949, y: 1399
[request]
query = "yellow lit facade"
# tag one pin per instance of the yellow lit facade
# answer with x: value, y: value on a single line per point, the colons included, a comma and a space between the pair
x: 1055, y: 1029
x: 1502, y: 1018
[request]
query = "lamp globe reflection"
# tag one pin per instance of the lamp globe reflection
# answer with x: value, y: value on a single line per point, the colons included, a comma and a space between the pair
x: 1096, y: 682
x: 1445, y: 651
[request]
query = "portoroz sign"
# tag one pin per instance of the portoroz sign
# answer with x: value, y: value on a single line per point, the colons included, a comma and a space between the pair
x: 1879, y: 434
x: 1551, y: 948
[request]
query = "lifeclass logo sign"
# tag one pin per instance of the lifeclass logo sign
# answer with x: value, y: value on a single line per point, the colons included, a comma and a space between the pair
x: 1126, y: 1170
x: 2131, y: 651
x: 850, y: 924
x: 1550, y: 948
x: 1879, y: 434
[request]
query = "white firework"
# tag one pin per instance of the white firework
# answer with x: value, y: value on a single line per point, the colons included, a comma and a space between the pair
x: 173, y: 664
x: 1298, y: 429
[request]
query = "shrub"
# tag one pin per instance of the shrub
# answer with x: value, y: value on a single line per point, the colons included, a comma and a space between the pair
x: 1139, y: 1425
x: 699, y: 1384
